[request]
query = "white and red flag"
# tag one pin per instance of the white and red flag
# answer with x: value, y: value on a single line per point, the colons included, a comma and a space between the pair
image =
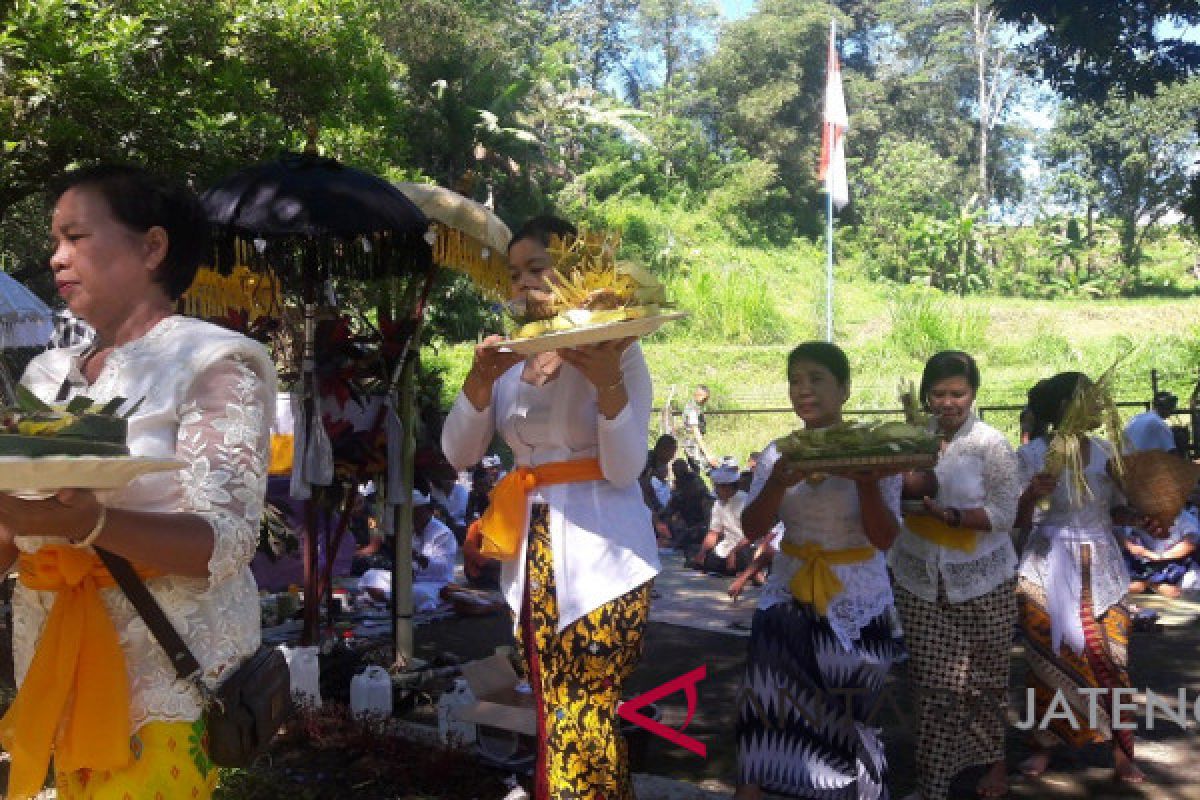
x: 833, y: 132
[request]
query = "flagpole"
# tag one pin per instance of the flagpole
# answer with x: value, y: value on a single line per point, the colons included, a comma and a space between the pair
x: 828, y: 262
x: 829, y: 216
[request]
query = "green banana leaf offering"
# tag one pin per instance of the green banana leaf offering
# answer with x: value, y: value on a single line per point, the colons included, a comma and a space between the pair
x: 861, y: 445
x: 34, y: 429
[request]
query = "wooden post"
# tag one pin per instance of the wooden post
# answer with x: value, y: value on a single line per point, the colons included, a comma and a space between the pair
x: 402, y: 577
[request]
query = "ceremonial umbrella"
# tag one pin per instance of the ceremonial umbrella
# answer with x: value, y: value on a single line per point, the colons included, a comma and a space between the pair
x: 468, y: 236
x: 25, y: 321
x: 311, y: 219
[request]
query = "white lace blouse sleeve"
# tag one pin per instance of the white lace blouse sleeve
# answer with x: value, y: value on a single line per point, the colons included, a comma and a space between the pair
x: 762, y: 471
x: 467, y: 432
x: 1002, y: 484
x: 621, y: 440
x: 1029, y: 462
x: 224, y: 435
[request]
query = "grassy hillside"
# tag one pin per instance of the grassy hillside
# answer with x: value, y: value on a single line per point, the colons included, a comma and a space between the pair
x: 749, y: 306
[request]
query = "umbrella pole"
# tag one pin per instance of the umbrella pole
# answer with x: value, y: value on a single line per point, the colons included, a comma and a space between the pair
x: 403, y: 387
x: 402, y: 579
x: 312, y: 598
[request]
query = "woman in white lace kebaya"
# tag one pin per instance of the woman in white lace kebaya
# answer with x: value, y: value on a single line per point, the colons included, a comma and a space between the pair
x: 569, y: 524
x: 954, y: 571
x: 1071, y: 588
x: 96, y: 690
x: 821, y: 641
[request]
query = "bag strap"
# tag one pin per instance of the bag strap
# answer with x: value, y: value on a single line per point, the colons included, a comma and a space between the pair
x: 187, y: 668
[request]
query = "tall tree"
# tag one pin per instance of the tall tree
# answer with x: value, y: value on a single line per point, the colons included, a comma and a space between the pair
x: 1088, y: 47
x: 673, y: 36
x: 767, y: 76
x: 192, y: 88
x: 1130, y: 159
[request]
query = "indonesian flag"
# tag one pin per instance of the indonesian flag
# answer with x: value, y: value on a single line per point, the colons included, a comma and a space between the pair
x: 833, y: 132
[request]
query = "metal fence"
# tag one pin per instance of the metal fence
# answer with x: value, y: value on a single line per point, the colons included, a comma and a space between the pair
x: 740, y: 431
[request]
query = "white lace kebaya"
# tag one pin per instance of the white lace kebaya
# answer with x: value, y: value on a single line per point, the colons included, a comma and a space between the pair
x: 978, y: 469
x: 208, y: 395
x: 827, y: 513
x: 1053, y: 555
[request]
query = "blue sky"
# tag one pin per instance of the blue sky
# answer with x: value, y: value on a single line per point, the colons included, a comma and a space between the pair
x: 735, y: 9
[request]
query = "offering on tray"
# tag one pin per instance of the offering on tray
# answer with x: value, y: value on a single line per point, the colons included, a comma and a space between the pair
x: 79, y: 428
x: 861, y: 445
x: 591, y: 290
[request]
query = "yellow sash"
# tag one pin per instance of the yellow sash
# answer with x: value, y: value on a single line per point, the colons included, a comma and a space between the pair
x: 815, y: 582
x: 506, y: 520
x: 75, y: 698
x: 283, y: 446
x: 932, y: 529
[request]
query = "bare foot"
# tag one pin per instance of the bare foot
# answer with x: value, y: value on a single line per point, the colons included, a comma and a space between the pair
x: 1124, y: 770
x: 1138, y: 587
x: 1168, y: 590
x: 1036, y: 764
x: 994, y: 783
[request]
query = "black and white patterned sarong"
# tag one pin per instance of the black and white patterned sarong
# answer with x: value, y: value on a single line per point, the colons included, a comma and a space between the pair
x: 805, y: 723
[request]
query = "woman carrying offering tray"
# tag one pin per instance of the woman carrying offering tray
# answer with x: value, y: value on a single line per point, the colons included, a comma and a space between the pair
x: 822, y: 638
x: 568, y: 523
x: 95, y: 688
x: 954, y: 571
x: 1072, y: 579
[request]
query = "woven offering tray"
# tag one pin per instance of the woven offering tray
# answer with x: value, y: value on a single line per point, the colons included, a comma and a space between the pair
x: 31, y: 475
x: 589, y: 334
x: 899, y: 462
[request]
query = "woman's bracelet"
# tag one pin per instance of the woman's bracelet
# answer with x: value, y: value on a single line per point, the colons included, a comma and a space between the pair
x: 94, y: 533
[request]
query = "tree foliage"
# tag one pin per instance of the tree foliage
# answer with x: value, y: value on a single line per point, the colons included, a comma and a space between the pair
x: 1088, y: 47
x: 1130, y: 159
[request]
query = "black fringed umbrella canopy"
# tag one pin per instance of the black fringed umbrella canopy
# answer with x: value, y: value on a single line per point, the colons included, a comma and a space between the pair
x: 309, y: 219
x: 359, y: 225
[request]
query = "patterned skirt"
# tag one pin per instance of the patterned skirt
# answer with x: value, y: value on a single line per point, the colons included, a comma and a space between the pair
x: 958, y: 669
x: 805, y: 724
x: 577, y: 676
x: 170, y: 762
x: 1102, y: 665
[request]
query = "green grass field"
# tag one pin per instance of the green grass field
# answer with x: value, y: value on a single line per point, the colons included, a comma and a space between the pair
x: 749, y: 307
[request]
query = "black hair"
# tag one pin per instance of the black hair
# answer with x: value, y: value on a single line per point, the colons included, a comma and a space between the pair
x: 826, y: 354
x: 140, y: 200
x: 948, y: 364
x: 1048, y: 399
x: 666, y: 438
x: 541, y: 228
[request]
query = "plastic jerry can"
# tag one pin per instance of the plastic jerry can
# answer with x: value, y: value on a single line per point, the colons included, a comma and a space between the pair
x: 371, y: 692
x: 304, y: 669
x: 451, y: 729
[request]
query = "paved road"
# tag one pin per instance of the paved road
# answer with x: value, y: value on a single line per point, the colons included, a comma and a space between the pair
x: 1163, y: 661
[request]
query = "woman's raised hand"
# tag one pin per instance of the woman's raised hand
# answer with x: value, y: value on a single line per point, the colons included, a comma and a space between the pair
x: 489, y: 364
x: 492, y: 362
x: 600, y: 363
x: 1042, y: 485
x: 786, y: 474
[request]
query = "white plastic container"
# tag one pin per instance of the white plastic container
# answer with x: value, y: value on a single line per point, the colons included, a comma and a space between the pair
x: 305, y: 672
x: 451, y: 729
x: 371, y: 692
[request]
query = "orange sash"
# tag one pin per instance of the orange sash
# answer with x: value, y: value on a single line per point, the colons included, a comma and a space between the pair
x: 75, y: 698
x: 506, y: 520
